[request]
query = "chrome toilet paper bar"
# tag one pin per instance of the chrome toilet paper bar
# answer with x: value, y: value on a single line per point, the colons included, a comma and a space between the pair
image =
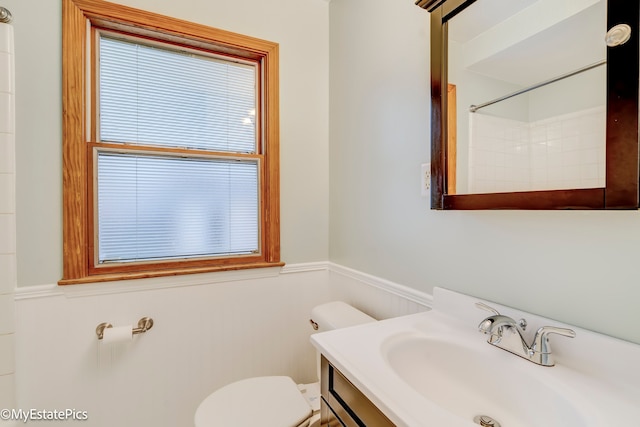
x: 144, y: 325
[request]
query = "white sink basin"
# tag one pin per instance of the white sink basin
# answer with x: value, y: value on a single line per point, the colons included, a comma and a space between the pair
x: 435, y: 369
x: 471, y: 382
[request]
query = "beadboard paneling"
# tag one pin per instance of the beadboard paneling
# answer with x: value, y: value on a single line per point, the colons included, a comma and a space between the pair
x: 207, y: 333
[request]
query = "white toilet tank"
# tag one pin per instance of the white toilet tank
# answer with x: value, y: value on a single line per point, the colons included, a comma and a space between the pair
x: 336, y: 315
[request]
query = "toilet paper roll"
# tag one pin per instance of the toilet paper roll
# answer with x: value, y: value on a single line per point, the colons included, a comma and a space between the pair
x: 117, y: 335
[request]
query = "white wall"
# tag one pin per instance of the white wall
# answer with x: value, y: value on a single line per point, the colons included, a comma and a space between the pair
x: 578, y: 267
x: 379, y: 136
x: 552, y: 100
x: 301, y: 29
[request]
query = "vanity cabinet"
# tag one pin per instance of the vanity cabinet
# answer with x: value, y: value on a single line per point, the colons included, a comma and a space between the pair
x: 344, y: 405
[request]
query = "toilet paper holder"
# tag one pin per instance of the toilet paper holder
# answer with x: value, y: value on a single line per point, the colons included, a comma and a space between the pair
x: 144, y: 325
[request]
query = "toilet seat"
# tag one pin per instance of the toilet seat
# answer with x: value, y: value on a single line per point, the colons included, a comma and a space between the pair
x: 261, y: 401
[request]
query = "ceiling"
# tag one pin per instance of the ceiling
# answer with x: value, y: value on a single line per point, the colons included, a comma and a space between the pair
x: 552, y: 46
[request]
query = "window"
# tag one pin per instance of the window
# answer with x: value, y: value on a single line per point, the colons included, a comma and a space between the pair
x: 170, y: 138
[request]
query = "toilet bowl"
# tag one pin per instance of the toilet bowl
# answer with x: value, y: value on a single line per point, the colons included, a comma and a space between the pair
x: 276, y: 401
x: 260, y: 401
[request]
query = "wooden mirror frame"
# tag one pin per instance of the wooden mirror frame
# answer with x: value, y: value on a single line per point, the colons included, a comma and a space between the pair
x: 622, y: 159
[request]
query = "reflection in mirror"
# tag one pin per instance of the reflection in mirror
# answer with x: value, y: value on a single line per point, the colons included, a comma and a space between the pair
x: 550, y: 55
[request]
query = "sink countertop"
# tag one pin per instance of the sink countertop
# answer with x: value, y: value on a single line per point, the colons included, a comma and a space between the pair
x: 597, y: 374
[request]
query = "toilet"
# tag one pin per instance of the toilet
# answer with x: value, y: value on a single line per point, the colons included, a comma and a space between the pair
x: 276, y: 401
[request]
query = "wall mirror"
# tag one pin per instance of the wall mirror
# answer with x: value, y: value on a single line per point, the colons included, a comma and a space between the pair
x: 534, y: 104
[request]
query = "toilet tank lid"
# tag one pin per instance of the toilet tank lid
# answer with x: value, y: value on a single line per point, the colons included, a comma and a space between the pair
x: 338, y: 314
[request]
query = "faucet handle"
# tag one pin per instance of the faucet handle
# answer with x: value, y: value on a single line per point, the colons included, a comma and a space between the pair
x: 484, y: 306
x: 522, y: 323
x: 541, y: 342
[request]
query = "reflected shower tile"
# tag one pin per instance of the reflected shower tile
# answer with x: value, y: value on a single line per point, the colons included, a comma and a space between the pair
x: 571, y: 127
x: 571, y: 143
x: 554, y: 174
x: 572, y: 183
x: 602, y: 175
x: 592, y: 139
x: 588, y: 156
x: 539, y: 175
x: 570, y: 158
x: 571, y: 173
x: 554, y: 131
x: 589, y: 172
x: 554, y: 145
x: 539, y: 154
x: 538, y: 134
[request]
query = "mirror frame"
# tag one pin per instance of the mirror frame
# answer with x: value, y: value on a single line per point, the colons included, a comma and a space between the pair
x: 622, y: 159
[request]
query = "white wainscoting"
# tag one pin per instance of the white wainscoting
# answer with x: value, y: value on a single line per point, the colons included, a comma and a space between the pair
x: 209, y: 330
x: 377, y: 297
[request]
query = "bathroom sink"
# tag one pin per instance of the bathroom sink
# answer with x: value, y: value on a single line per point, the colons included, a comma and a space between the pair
x: 472, y: 382
x: 435, y: 369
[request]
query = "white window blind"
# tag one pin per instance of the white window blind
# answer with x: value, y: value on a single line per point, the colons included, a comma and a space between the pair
x: 152, y: 207
x: 165, y: 207
x: 154, y: 96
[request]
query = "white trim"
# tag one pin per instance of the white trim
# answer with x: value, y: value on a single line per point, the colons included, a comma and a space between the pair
x: 39, y: 291
x: 156, y: 283
x: 306, y: 267
x: 410, y: 294
x: 140, y: 285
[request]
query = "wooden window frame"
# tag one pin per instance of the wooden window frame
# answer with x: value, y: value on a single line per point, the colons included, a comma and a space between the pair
x: 81, y: 19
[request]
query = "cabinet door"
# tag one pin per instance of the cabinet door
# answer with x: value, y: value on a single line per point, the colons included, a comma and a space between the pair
x: 327, y: 417
x: 346, y: 403
x: 330, y: 419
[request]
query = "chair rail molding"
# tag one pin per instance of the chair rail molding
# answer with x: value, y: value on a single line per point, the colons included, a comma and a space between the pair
x: 156, y: 283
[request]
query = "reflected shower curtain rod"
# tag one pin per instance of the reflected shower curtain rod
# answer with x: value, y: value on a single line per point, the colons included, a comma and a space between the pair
x: 474, y: 108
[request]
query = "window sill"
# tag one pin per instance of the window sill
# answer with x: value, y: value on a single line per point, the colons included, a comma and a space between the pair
x: 162, y: 273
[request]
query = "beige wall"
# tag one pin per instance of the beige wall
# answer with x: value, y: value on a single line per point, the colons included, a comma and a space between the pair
x: 301, y: 29
x: 578, y: 267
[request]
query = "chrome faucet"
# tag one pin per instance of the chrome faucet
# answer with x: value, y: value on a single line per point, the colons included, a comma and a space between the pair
x: 506, y: 333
